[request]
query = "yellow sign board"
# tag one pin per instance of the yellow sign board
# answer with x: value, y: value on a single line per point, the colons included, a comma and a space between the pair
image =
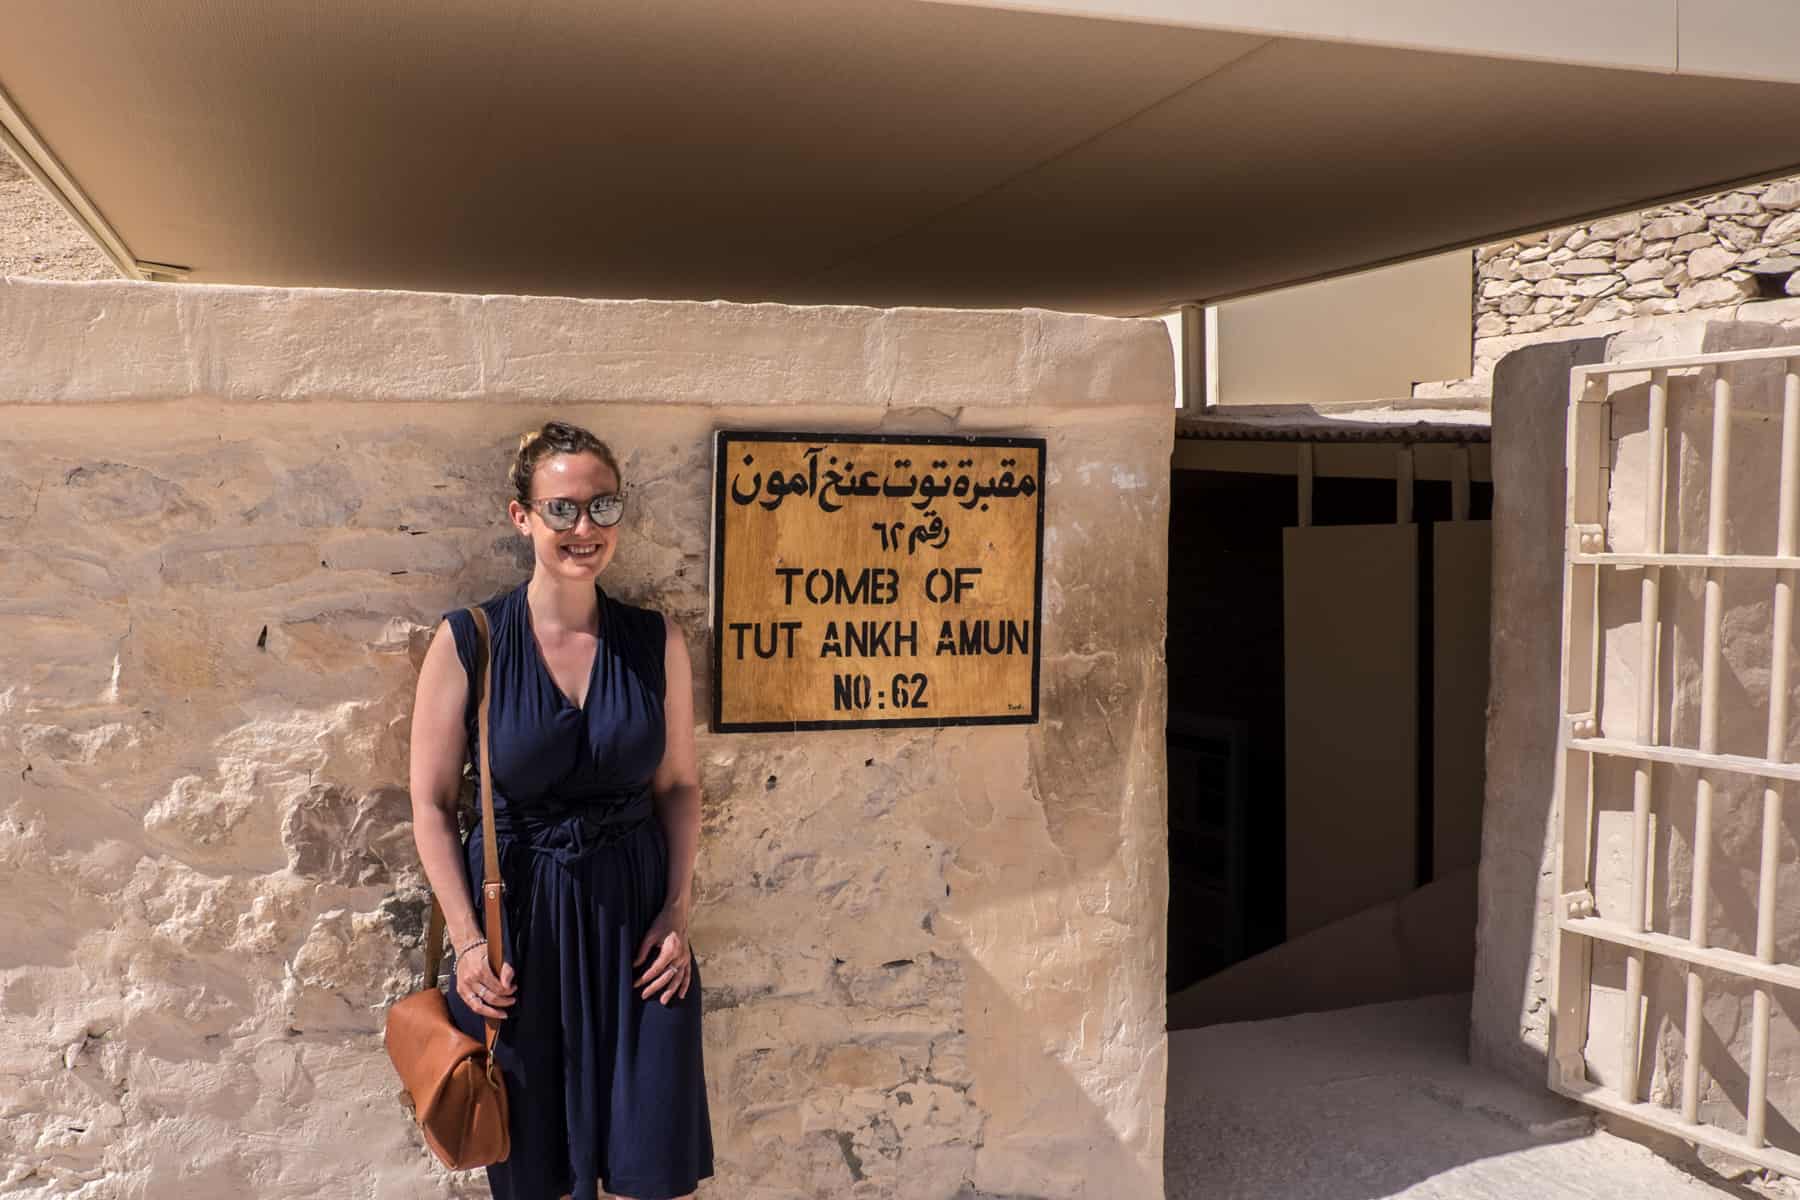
x: 873, y: 579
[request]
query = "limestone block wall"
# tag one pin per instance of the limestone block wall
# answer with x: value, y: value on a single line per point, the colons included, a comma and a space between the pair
x: 1510, y: 1022
x: 229, y: 518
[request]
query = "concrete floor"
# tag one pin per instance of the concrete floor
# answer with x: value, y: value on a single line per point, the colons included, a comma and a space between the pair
x: 1380, y: 1102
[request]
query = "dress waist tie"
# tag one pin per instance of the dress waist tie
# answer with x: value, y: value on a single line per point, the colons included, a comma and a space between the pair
x: 568, y: 832
x: 573, y: 829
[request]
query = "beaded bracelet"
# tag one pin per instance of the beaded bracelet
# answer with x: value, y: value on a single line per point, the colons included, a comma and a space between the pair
x: 481, y: 941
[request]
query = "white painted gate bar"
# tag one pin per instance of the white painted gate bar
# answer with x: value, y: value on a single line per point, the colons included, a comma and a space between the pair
x: 1648, y: 606
x: 1676, y: 756
x: 1775, y: 750
x: 1578, y: 925
x: 1717, y: 490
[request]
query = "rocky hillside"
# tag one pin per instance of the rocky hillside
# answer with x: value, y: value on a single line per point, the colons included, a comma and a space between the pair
x: 37, y: 238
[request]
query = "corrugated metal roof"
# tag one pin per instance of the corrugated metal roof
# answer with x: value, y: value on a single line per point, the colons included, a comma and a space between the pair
x: 1458, y: 423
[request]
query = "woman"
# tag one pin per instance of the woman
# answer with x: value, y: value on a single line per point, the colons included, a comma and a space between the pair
x: 597, y: 813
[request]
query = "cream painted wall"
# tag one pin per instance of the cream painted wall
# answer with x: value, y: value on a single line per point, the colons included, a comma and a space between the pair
x: 1368, y: 336
x: 1729, y: 38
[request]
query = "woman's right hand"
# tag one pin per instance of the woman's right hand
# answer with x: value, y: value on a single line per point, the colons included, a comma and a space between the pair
x: 485, y: 995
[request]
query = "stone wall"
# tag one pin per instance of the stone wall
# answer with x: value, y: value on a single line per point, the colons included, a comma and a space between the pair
x: 1710, y: 252
x: 228, y: 520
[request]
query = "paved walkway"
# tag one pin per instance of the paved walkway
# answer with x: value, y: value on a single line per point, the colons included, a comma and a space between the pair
x: 1380, y: 1102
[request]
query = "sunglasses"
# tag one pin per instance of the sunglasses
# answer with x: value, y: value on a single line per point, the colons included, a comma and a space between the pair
x: 562, y: 514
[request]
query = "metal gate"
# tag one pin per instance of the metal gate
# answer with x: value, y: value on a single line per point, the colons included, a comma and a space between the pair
x: 1587, y: 562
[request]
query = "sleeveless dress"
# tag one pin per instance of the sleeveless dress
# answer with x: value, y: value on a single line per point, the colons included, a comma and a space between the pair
x: 604, y: 1088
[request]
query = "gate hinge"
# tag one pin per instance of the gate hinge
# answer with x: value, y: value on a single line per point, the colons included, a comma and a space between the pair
x: 1587, y: 539
x: 1577, y: 905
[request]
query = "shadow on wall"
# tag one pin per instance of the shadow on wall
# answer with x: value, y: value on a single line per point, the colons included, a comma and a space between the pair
x: 931, y: 1014
x: 1041, y: 1090
x: 1509, y: 1008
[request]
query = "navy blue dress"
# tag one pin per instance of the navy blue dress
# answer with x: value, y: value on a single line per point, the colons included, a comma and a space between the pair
x: 604, y: 1087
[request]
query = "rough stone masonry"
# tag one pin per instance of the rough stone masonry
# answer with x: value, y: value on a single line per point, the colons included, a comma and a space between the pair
x: 229, y: 518
x: 1712, y: 252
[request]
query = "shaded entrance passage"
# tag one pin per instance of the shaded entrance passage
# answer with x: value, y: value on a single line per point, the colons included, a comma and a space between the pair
x: 1327, y: 651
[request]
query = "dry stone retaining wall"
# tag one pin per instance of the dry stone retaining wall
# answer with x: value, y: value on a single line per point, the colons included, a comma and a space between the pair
x: 1711, y: 252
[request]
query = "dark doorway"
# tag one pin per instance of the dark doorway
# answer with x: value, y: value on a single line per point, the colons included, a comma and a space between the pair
x: 1226, y: 737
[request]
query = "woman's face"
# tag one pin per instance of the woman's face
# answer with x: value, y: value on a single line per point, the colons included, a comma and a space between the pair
x: 582, y: 551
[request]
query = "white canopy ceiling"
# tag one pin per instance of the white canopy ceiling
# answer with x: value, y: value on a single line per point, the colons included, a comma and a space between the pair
x: 873, y: 151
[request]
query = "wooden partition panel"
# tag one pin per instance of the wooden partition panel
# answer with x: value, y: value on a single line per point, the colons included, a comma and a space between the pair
x: 1461, y: 558
x: 1350, y: 607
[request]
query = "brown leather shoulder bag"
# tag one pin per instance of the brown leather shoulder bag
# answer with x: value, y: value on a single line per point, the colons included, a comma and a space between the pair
x: 450, y: 1081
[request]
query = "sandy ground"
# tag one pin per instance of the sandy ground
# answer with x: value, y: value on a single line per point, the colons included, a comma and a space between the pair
x: 37, y: 238
x: 1381, y: 1102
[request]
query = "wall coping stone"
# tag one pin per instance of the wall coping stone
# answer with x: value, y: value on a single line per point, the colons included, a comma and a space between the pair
x: 124, y: 341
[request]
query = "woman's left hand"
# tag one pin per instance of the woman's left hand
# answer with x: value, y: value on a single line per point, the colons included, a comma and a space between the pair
x: 673, y: 966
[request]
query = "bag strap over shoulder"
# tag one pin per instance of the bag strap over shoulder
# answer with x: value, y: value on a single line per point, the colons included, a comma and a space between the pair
x: 492, y: 887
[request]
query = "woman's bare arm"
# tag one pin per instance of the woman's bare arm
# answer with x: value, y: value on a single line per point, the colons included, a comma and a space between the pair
x: 677, y: 781
x: 439, y: 746
x: 676, y: 786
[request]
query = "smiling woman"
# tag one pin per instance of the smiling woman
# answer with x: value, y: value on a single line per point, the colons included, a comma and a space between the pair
x: 596, y: 806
